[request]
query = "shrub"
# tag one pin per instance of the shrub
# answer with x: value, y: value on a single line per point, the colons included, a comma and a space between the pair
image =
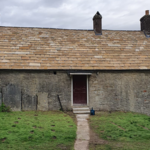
x: 4, y: 108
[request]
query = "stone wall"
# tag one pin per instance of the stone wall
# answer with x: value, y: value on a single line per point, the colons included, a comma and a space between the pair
x: 120, y: 90
x: 35, y: 90
x: 108, y: 90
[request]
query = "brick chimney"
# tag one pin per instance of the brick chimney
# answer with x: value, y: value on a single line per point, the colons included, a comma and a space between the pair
x: 145, y: 23
x: 97, y: 23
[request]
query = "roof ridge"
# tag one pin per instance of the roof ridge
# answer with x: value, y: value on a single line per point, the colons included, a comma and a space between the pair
x: 67, y: 29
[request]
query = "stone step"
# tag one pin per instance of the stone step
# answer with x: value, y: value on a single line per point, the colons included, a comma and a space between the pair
x: 79, y: 106
x: 81, y: 109
x: 81, y: 112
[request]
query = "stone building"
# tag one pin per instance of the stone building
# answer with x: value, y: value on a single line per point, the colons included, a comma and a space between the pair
x: 104, y: 69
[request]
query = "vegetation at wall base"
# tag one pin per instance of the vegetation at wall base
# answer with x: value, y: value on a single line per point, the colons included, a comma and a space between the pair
x: 52, y: 130
x: 121, y: 131
x: 4, y: 108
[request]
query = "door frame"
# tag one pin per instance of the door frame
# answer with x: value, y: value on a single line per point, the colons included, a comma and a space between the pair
x: 87, y: 87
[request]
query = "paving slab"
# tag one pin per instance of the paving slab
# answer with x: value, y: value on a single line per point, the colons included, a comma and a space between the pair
x: 81, y: 145
x: 83, y: 132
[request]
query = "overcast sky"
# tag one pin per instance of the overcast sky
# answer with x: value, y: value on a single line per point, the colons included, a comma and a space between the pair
x: 73, y: 14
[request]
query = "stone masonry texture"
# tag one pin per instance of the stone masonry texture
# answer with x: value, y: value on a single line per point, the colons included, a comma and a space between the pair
x: 35, y: 90
x: 120, y: 90
x: 108, y: 90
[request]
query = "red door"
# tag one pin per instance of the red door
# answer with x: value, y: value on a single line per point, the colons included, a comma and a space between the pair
x: 79, y: 89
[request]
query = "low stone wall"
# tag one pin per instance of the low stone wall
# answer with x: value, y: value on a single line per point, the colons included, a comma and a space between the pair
x: 108, y: 90
x: 120, y: 90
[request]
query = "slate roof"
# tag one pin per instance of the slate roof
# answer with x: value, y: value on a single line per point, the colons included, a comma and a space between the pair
x: 44, y: 48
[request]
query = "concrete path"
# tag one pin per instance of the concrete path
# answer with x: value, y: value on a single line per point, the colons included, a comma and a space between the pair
x: 83, y: 132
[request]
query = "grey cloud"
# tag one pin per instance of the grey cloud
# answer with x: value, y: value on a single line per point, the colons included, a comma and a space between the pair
x: 52, y: 3
x: 71, y: 14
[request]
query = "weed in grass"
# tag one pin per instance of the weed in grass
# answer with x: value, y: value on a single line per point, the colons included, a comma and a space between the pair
x: 40, y: 127
x: 34, y: 126
x: 52, y: 130
x: 3, y: 140
x: 32, y: 131
x: 4, y: 108
x: 54, y: 137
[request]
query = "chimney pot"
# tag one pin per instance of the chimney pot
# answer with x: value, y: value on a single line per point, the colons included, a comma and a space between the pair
x: 147, y: 12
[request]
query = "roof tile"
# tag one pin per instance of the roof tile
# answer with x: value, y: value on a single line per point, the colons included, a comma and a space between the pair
x: 39, y: 48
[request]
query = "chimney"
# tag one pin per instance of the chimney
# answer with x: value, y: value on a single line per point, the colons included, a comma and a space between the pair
x: 145, y: 23
x: 97, y: 23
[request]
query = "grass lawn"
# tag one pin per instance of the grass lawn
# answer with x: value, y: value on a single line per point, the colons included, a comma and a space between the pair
x: 36, y: 130
x: 121, y: 131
